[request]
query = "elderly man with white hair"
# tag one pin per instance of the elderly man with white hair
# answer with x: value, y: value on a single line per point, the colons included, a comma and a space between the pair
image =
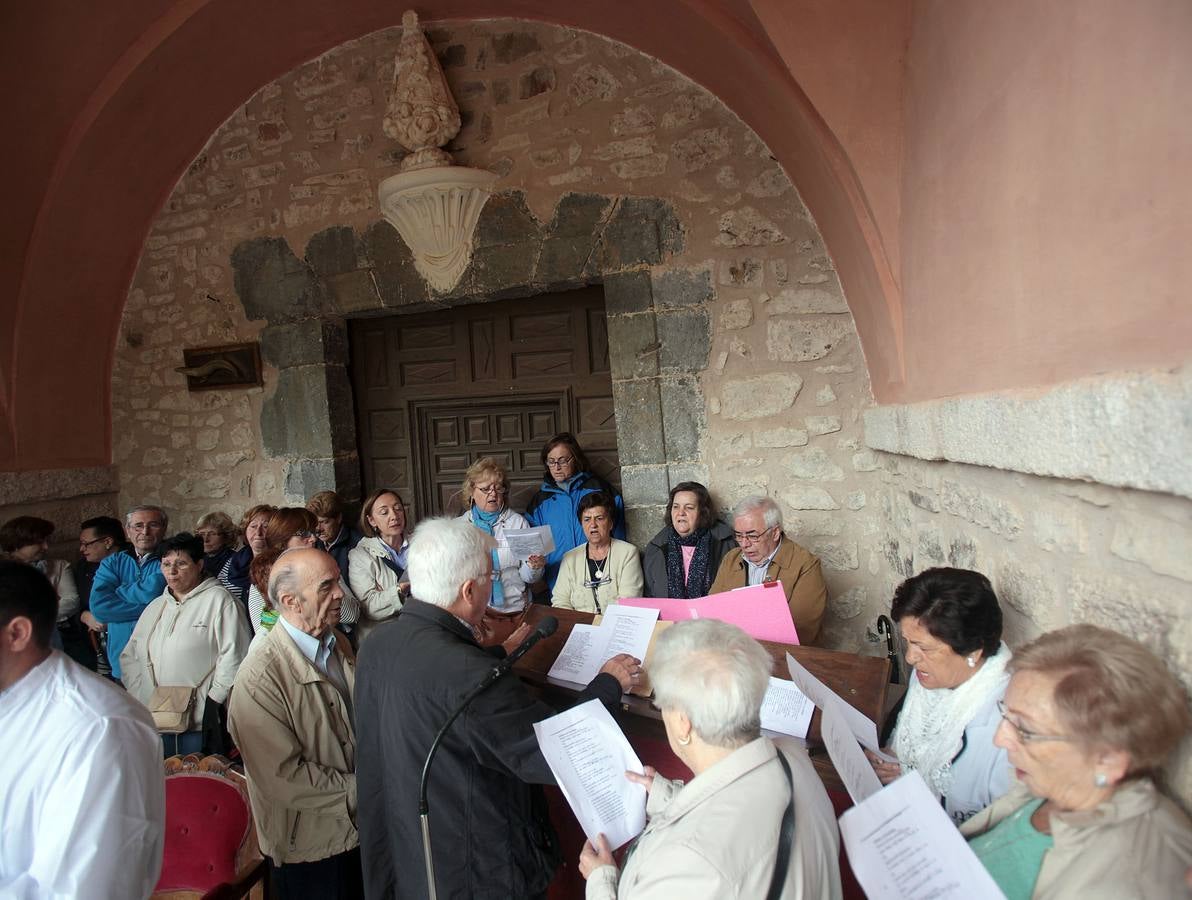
x: 755, y: 821
x: 291, y: 715
x: 764, y: 554
x: 490, y: 833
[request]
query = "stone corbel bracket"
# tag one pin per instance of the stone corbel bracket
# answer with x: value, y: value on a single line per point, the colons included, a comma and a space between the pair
x: 433, y: 204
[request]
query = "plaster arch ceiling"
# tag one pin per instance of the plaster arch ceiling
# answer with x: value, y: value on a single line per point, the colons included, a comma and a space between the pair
x: 140, y: 89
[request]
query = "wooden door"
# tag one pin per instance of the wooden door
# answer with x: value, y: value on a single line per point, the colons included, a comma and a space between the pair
x: 436, y: 391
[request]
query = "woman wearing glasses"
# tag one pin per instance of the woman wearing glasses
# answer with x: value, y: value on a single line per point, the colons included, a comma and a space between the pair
x: 566, y: 479
x: 288, y: 528
x: 1090, y: 717
x: 377, y: 564
x: 485, y: 489
x: 604, y: 569
x: 952, y: 625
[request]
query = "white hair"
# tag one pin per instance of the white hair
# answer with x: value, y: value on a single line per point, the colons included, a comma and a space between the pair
x: 165, y: 519
x: 771, y: 514
x: 284, y: 577
x: 444, y: 553
x: 716, y: 675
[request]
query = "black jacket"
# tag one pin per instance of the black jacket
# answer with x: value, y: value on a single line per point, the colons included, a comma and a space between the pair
x: 490, y: 833
x: 654, y: 557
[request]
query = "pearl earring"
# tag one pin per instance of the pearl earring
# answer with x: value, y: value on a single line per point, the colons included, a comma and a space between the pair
x: 972, y: 663
x: 1101, y: 780
x: 683, y: 742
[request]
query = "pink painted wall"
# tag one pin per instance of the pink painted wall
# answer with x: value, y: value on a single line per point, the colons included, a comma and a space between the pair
x: 1046, y: 193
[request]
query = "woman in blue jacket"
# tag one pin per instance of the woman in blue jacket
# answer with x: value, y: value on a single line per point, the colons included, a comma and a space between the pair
x: 567, y: 478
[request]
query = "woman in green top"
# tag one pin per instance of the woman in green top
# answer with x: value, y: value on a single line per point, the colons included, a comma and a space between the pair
x: 1089, y: 716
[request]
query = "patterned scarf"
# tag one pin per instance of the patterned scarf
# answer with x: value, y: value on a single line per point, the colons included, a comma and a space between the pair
x: 699, y: 579
x: 485, y: 521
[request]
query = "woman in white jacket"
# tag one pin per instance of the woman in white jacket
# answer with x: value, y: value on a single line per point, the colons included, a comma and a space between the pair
x: 377, y: 565
x: 485, y: 490
x: 193, y: 635
x: 604, y: 569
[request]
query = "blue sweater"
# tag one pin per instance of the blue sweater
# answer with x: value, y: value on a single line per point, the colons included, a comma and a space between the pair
x: 558, y: 506
x: 121, y: 591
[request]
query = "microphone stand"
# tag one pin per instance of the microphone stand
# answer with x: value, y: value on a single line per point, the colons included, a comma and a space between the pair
x: 545, y: 628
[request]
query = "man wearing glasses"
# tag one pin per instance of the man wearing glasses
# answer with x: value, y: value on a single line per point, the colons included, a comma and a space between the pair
x: 765, y: 554
x: 126, y: 582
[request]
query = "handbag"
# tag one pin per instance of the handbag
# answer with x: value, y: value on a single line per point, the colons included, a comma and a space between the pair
x: 786, y: 836
x: 170, y: 705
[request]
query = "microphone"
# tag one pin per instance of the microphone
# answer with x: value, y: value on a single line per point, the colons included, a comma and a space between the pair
x: 545, y: 628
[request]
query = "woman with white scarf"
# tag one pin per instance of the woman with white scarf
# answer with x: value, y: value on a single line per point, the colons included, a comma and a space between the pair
x: 952, y: 625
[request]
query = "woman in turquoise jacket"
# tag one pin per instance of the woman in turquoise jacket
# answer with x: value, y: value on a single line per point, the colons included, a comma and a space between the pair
x: 567, y: 479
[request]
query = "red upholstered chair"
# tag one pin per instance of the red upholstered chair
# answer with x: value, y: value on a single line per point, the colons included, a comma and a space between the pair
x: 211, y: 848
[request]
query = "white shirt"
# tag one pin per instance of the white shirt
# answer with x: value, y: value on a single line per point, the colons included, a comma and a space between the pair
x: 82, y: 790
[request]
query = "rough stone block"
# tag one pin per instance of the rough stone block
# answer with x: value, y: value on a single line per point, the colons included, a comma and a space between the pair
x: 332, y: 251
x: 735, y: 315
x: 986, y: 511
x: 514, y: 45
x: 506, y: 220
x: 296, y: 420
x: 341, y: 404
x: 814, y: 464
x: 304, y: 477
x: 1024, y: 588
x: 807, y: 300
x: 499, y: 268
x: 677, y: 288
x: 1059, y: 530
x: 353, y: 292
x: 746, y: 227
x: 760, y: 396
x: 273, y: 283
x: 774, y: 438
x: 685, y: 338
x: 632, y: 346
x: 307, y: 343
x: 564, y: 261
x: 638, y: 408
x: 838, y: 556
x: 592, y: 82
x: 822, y: 424
x: 849, y: 604
x: 579, y: 215
x: 929, y: 550
x: 962, y: 553
x: 643, y: 522
x: 682, y: 418
x: 1163, y: 547
x: 805, y: 339
x: 923, y: 501
x: 628, y: 292
x: 398, y: 282
x: 807, y: 497
x: 644, y: 484
x: 680, y: 472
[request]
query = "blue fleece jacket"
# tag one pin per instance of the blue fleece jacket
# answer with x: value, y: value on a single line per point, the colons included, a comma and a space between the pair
x: 557, y: 505
x: 122, y: 589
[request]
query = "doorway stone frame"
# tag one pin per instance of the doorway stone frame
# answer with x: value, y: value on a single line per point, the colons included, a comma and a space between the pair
x: 659, y: 328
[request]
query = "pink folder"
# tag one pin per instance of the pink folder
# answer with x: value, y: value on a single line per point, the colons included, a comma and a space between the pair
x: 760, y: 610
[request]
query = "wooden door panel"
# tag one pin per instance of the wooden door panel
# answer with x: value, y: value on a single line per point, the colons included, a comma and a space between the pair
x: 436, y: 391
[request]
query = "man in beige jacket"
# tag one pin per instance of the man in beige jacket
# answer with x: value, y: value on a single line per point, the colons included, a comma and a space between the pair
x: 764, y: 554
x: 291, y: 716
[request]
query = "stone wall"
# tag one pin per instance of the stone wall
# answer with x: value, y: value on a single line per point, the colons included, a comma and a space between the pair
x: 733, y: 354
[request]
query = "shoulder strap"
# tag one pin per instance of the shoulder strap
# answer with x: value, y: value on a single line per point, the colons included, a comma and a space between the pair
x: 786, y: 837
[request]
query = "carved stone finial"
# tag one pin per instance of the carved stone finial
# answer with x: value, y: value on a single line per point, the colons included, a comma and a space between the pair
x: 421, y: 115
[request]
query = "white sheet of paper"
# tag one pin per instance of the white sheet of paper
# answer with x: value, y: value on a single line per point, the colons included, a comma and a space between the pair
x: 589, y: 755
x: 786, y: 709
x: 851, y: 764
x: 902, y: 846
x: 823, y: 696
x: 588, y: 647
x: 527, y: 542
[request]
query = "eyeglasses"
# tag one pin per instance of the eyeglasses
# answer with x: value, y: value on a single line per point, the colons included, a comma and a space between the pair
x: 1024, y: 736
x: 749, y: 537
x: 177, y: 565
x: 206, y: 534
x: 560, y: 463
x: 85, y: 544
x: 146, y: 526
x: 304, y: 535
x: 495, y: 489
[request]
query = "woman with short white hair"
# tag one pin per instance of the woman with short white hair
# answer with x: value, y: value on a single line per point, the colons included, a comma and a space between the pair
x: 731, y: 831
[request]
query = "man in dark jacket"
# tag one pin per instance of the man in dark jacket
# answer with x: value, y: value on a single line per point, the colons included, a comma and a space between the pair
x: 490, y: 834
x: 337, y: 538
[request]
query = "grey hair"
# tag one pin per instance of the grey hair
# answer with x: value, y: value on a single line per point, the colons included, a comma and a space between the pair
x: 284, y: 577
x: 165, y: 518
x: 444, y: 553
x: 716, y: 675
x: 771, y: 514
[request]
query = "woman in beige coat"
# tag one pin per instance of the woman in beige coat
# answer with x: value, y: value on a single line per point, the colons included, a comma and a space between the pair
x: 604, y: 569
x: 718, y: 836
x: 1089, y: 715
